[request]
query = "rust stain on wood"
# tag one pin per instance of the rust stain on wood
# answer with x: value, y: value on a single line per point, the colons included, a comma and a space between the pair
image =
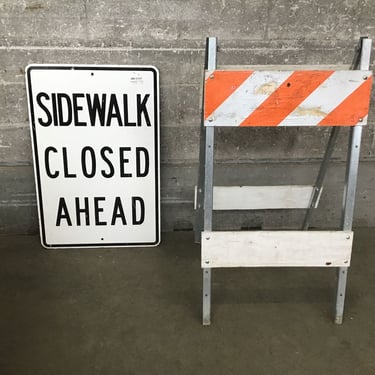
x: 266, y: 89
x: 314, y: 111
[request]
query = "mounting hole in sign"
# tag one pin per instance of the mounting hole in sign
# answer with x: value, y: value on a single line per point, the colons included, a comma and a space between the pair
x: 102, y: 239
x: 92, y: 73
x: 288, y: 84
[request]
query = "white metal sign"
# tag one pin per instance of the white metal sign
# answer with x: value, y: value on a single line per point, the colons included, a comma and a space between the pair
x: 95, y: 133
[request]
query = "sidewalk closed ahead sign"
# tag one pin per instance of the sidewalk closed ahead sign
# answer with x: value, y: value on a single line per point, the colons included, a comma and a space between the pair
x: 95, y: 134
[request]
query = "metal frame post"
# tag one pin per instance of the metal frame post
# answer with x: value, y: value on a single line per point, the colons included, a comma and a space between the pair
x: 348, y: 210
x: 199, y: 197
x: 208, y: 187
x: 351, y: 185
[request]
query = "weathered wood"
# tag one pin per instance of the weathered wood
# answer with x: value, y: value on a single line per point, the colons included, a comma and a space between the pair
x: 276, y: 249
x: 287, y: 98
x: 261, y: 197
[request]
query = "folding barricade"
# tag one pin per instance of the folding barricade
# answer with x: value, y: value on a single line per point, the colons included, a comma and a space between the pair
x: 258, y: 96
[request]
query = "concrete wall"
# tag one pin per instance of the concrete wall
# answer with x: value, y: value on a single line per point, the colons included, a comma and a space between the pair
x: 170, y: 34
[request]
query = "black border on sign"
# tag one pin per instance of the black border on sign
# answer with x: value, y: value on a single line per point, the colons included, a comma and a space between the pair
x: 36, y: 159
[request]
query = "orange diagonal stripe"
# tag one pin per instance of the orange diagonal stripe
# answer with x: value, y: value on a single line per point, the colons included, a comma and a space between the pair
x: 220, y: 85
x: 352, y: 108
x: 284, y: 100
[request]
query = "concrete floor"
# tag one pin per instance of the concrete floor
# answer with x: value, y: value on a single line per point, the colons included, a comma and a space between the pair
x: 137, y: 311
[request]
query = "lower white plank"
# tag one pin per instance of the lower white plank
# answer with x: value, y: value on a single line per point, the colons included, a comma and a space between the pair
x: 276, y: 249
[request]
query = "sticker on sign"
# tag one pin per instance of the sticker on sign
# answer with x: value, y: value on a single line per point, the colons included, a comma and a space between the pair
x: 95, y: 136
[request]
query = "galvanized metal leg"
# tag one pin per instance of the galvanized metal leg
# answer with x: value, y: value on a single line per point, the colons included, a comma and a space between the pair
x: 342, y: 275
x: 208, y: 204
x: 362, y: 62
x: 348, y: 210
x: 208, y: 187
x: 322, y: 172
x: 199, y: 198
x: 208, y: 179
x: 206, y: 296
x: 210, y: 64
x: 207, y: 194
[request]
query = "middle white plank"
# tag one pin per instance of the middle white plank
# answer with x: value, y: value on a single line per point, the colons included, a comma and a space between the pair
x: 261, y: 197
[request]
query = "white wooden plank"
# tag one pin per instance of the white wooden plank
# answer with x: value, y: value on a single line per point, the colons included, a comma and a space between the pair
x: 276, y: 249
x: 262, y: 197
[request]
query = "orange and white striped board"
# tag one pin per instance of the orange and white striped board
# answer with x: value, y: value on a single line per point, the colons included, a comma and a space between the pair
x: 287, y: 98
